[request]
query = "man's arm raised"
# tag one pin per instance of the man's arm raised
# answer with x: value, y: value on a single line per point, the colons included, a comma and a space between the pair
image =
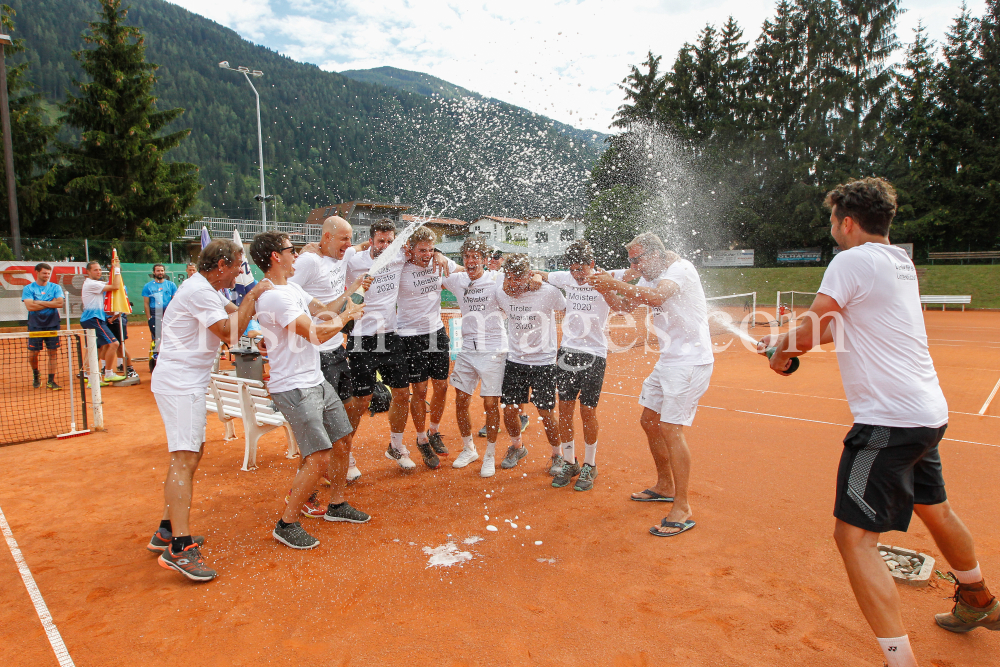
x: 633, y: 295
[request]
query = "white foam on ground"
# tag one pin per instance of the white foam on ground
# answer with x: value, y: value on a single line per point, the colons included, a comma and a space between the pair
x: 472, y: 540
x: 446, y: 555
x: 491, y: 528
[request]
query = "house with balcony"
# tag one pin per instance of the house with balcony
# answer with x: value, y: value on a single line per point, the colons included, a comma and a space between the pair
x: 548, y: 238
x: 361, y: 214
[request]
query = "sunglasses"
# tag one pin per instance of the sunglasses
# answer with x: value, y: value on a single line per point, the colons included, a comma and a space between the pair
x: 292, y: 248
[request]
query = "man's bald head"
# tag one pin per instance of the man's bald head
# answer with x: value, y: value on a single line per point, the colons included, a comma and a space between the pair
x: 336, y: 238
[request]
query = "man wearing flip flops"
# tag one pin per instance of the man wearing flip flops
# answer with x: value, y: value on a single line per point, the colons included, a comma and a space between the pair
x: 890, y: 466
x: 671, y: 288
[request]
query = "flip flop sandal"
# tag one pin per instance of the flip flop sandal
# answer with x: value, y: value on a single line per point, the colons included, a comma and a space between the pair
x: 654, y: 497
x: 684, y: 527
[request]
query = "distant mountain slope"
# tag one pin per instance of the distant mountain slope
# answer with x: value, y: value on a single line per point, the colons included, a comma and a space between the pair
x: 327, y: 138
x: 427, y: 85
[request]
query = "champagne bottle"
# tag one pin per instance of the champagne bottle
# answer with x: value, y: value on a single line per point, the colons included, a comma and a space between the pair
x: 793, y: 363
x: 359, y: 298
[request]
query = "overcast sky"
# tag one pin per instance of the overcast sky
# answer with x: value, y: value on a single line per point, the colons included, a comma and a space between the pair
x: 562, y: 59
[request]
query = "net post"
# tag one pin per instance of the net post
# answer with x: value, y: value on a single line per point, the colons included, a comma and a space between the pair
x: 753, y: 319
x: 80, y: 382
x: 95, y: 380
x: 777, y: 308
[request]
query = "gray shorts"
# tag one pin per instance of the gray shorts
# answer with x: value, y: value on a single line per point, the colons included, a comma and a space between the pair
x: 316, y: 415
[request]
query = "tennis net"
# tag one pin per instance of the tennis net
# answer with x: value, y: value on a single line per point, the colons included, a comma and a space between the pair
x: 791, y: 304
x: 55, y: 405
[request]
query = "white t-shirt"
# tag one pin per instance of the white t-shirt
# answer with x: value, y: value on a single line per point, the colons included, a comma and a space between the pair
x: 380, y: 299
x: 888, y: 374
x: 187, y: 348
x: 418, y: 307
x: 483, y: 326
x: 531, y: 324
x: 586, y: 313
x: 681, y: 322
x: 324, y: 279
x: 92, y: 294
x: 294, y: 360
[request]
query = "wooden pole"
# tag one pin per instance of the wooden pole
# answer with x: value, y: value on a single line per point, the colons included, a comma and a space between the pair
x: 8, y: 152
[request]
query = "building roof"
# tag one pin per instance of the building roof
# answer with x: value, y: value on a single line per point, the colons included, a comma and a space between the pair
x: 318, y: 215
x: 452, y: 222
x: 499, y: 219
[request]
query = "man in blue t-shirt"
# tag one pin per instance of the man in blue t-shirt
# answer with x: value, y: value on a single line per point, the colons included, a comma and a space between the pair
x: 43, y: 300
x: 156, y: 295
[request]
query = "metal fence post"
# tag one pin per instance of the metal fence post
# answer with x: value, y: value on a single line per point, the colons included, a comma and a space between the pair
x: 171, y: 252
x: 86, y: 249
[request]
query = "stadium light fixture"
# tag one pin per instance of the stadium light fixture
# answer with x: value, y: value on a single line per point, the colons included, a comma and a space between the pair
x: 247, y: 73
x: 8, y: 149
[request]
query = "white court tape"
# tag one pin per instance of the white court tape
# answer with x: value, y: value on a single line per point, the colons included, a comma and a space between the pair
x: 986, y: 405
x: 55, y: 639
x: 798, y: 419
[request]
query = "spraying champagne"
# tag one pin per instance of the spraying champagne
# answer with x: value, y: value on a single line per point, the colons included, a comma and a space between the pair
x: 793, y: 363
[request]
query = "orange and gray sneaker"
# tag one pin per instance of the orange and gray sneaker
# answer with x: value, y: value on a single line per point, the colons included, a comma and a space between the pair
x: 161, y: 540
x: 188, y: 562
x: 974, y: 608
x: 311, y: 509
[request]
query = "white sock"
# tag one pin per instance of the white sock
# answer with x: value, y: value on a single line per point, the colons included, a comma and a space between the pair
x: 468, y: 443
x: 973, y: 576
x: 396, y: 440
x: 108, y: 373
x: 557, y: 450
x: 434, y: 427
x: 568, y: 453
x: 516, y: 442
x: 351, y: 463
x: 422, y: 438
x: 590, y: 454
x: 491, y: 449
x: 897, y: 651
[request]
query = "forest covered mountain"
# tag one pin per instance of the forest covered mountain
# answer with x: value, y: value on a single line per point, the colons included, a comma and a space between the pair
x: 327, y: 137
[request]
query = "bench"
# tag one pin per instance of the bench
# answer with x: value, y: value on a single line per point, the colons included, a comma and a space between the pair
x: 991, y: 255
x: 234, y: 398
x: 943, y: 299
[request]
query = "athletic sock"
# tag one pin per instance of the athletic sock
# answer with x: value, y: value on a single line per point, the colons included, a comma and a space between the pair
x: 422, y: 438
x: 179, y: 544
x: 52, y: 377
x: 468, y: 443
x: 557, y: 450
x: 434, y: 427
x: 516, y: 442
x: 568, y: 453
x: 166, y: 525
x: 34, y: 373
x: 396, y: 442
x: 282, y: 524
x: 590, y: 454
x: 491, y: 449
x: 351, y: 463
x: 973, y: 576
x: 897, y: 651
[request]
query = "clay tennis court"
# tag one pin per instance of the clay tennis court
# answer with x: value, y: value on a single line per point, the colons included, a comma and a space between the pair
x: 758, y: 582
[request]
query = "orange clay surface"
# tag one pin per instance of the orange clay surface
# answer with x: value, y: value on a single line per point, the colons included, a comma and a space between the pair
x: 758, y: 582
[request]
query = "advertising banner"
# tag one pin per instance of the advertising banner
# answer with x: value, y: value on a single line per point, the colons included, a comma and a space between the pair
x: 728, y: 258
x: 800, y: 255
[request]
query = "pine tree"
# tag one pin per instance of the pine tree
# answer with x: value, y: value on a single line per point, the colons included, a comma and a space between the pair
x: 32, y: 138
x: 989, y: 128
x: 118, y: 181
x: 643, y: 92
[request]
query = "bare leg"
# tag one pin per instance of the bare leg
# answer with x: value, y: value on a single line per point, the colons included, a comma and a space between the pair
x: 566, y: 411
x: 178, y: 489
x: 305, y: 481
x: 680, y: 467
x: 397, y: 409
x: 590, y: 427
x: 650, y: 422
x: 439, y: 397
x: 357, y: 408
x: 512, y: 419
x: 551, y: 426
x: 870, y: 579
x: 462, y: 414
x: 950, y: 534
x: 53, y: 361
x: 492, y: 406
x: 418, y: 406
x: 337, y: 469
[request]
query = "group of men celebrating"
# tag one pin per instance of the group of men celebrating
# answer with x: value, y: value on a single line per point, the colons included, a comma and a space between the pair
x: 510, y: 351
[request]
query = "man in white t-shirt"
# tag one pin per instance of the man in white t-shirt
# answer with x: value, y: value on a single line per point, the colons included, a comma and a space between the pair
x: 483, y: 354
x: 199, y: 318
x: 425, y: 339
x: 93, y: 317
x: 581, y: 362
x: 322, y: 274
x: 671, y: 288
x: 869, y: 302
x: 309, y: 403
x: 530, y: 370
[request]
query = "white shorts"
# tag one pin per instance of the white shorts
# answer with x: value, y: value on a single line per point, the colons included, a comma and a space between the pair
x: 473, y: 366
x: 184, y: 419
x: 673, y: 391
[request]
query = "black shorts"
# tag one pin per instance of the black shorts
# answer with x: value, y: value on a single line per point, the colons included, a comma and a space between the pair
x: 337, y: 372
x: 884, y: 471
x: 580, y: 374
x: 382, y: 354
x: 119, y: 329
x: 50, y: 342
x: 521, y: 379
x: 427, y: 356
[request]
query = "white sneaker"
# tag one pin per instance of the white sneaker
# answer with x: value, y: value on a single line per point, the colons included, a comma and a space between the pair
x: 465, y: 458
x: 402, y: 458
x: 353, y: 474
x: 489, y: 466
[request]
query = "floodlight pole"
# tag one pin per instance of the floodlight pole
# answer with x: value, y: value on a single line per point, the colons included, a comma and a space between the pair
x: 260, y: 142
x: 8, y: 150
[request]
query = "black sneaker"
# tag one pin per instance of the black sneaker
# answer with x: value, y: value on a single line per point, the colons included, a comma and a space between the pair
x: 295, y: 536
x: 566, y: 474
x: 38, y: 383
x: 431, y: 459
x: 52, y: 385
x: 437, y: 444
x: 482, y: 432
x: 161, y: 540
x: 524, y: 423
x: 130, y: 372
x: 344, y: 512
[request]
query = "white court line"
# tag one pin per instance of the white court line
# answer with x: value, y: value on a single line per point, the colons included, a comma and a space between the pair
x: 799, y: 419
x: 982, y: 410
x: 55, y: 639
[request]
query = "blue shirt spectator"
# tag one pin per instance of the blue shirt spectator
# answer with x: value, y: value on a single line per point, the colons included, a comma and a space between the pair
x: 42, y: 290
x: 158, y: 292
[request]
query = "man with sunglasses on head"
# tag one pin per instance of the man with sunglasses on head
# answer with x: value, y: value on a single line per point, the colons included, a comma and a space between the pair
x: 671, y: 288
